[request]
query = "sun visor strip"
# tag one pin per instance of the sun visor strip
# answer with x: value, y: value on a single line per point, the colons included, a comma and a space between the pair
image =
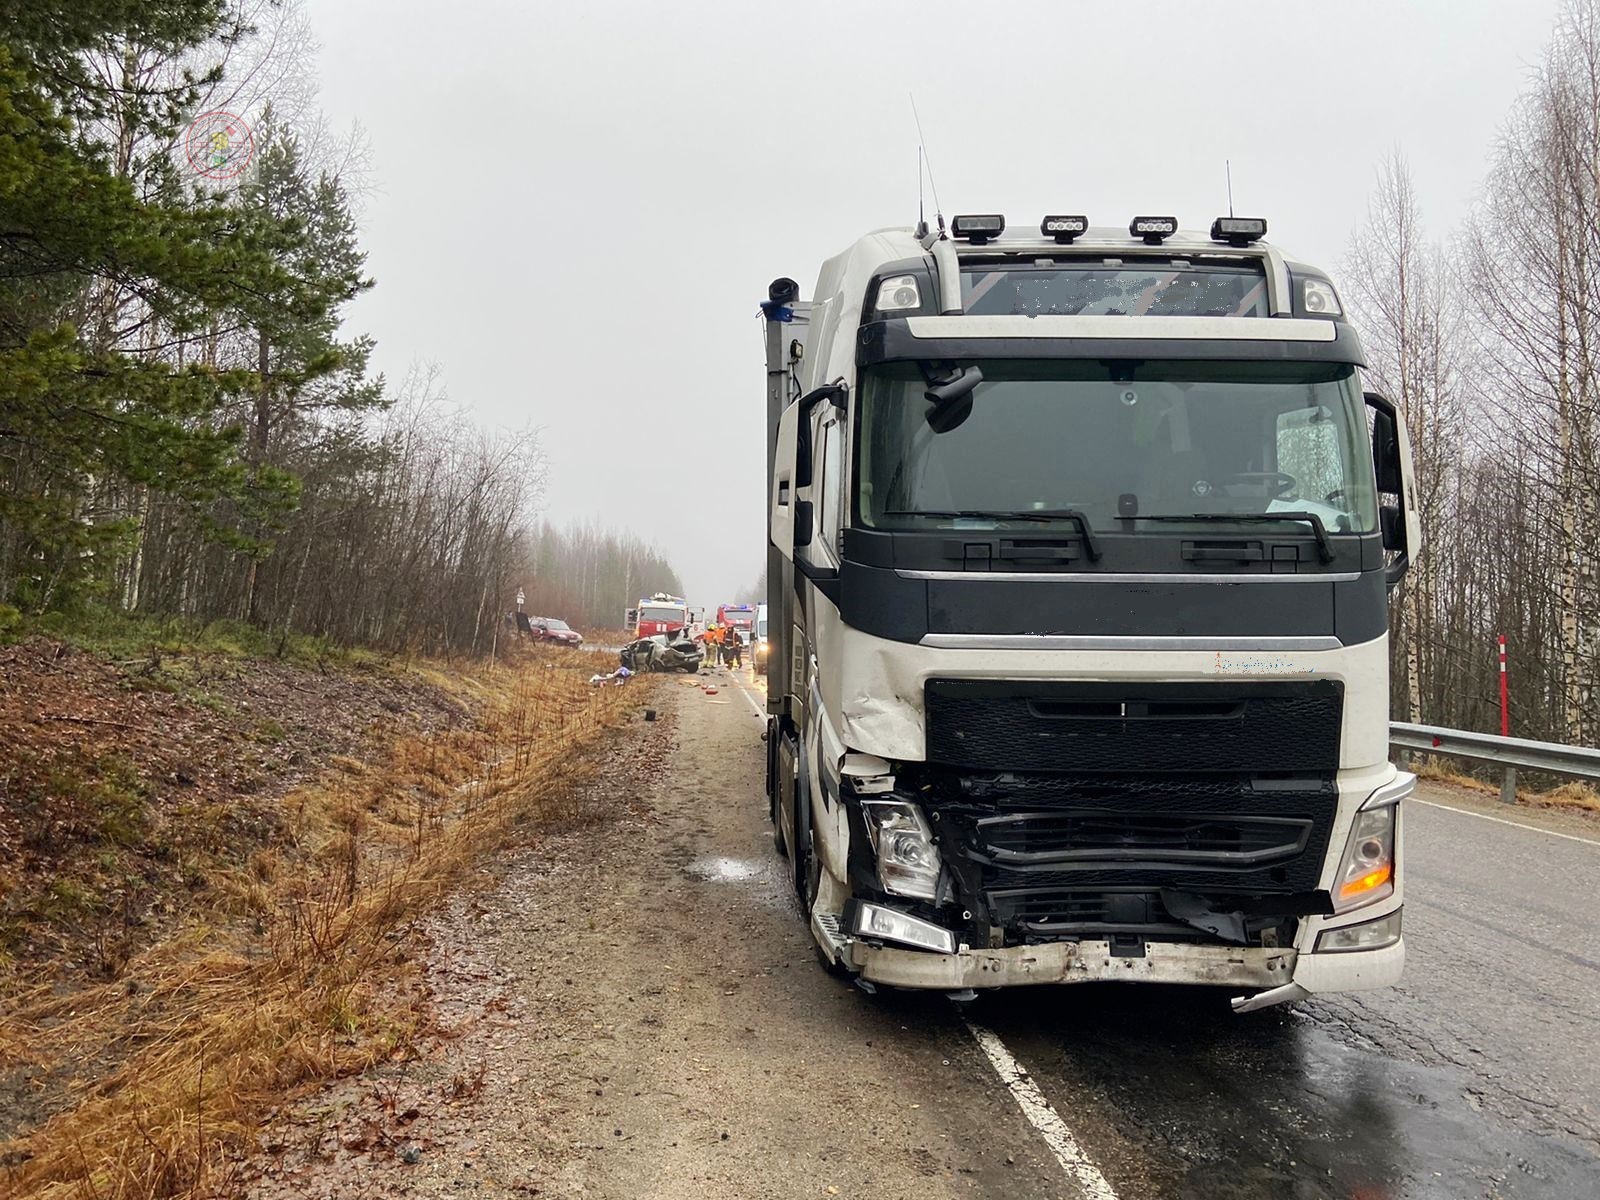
x: 892, y: 341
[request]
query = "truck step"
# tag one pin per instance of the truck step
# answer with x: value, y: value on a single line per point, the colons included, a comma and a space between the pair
x: 831, y: 933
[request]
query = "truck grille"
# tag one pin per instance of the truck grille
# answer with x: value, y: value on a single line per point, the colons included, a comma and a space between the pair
x: 1038, y: 837
x: 1049, y: 856
x: 1189, y: 728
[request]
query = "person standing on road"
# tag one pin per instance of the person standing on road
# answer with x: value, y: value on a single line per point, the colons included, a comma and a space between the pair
x: 735, y: 646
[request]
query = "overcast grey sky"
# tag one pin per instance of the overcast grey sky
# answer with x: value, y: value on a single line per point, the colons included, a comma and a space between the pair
x: 580, y: 204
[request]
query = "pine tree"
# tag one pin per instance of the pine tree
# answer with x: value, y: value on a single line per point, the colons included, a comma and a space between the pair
x: 78, y: 405
x: 303, y: 370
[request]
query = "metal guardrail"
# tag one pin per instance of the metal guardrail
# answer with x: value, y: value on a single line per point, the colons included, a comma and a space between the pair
x: 1510, y: 753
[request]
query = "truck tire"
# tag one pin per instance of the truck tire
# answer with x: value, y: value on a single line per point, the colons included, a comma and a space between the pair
x: 782, y: 750
x: 772, y: 776
x: 799, y: 856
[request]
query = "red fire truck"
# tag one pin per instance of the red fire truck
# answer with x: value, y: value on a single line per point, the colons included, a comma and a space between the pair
x: 661, y: 613
x: 741, y: 617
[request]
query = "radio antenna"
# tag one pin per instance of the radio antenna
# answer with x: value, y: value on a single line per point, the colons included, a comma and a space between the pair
x: 925, y: 163
x: 922, y: 219
x: 1227, y: 165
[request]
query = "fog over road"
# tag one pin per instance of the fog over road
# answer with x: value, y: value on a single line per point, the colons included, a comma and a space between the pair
x: 660, y: 1028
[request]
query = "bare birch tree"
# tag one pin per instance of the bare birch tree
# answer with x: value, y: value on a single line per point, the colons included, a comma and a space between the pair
x: 1405, y: 302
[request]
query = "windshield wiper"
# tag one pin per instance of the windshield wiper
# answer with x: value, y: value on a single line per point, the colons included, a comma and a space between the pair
x: 1090, y: 546
x: 1324, y: 546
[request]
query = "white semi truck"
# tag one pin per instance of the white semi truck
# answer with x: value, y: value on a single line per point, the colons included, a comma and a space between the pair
x: 1081, y: 542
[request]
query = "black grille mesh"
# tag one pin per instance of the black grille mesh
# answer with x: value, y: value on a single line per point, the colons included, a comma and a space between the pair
x: 1048, y: 836
x: 1279, y: 726
x: 1173, y: 837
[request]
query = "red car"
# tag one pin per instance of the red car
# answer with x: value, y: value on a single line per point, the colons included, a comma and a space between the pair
x: 556, y: 631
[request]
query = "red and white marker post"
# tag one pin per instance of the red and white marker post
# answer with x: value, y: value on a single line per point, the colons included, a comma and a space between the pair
x: 1508, y: 782
x: 1505, y: 691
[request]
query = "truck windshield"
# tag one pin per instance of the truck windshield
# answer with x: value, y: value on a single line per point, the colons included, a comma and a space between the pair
x: 1153, y: 438
x: 661, y: 612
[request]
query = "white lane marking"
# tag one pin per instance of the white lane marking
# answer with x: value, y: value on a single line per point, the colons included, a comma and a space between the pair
x: 1467, y: 812
x: 1043, y: 1117
x: 756, y: 707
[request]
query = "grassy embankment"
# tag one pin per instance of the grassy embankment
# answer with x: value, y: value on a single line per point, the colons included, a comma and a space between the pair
x: 264, y: 909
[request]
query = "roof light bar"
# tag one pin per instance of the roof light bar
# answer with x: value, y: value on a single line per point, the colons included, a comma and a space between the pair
x: 1154, y: 230
x: 978, y: 229
x: 1238, y: 231
x: 1064, y: 229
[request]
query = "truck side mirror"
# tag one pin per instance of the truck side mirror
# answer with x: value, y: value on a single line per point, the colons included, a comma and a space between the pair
x: 832, y: 393
x: 1391, y: 523
x: 1385, y: 449
x: 793, y: 520
x: 1398, y: 523
x: 803, y: 522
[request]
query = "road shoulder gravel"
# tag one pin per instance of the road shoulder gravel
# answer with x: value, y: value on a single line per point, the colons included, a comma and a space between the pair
x: 633, y: 1009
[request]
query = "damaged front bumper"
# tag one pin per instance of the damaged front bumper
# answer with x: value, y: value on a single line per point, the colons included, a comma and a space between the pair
x: 1274, y: 975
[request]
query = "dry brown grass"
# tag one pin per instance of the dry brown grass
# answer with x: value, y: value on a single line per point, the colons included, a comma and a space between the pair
x: 298, y: 972
x: 1574, y: 794
x: 1446, y: 770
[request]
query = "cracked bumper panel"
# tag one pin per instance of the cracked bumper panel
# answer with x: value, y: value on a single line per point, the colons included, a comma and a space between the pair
x: 1280, y: 974
x: 1073, y: 962
x: 1353, y: 971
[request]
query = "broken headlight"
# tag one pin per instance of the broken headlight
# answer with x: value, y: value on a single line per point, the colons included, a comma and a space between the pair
x: 908, y: 861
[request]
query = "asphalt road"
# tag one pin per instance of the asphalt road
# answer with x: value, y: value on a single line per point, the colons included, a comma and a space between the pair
x: 1478, y: 1076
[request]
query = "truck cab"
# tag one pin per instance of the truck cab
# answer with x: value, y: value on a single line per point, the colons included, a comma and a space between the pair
x: 1081, y: 543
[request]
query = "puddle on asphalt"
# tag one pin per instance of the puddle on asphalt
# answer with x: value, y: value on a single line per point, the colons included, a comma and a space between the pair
x: 765, y: 880
x: 728, y: 870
